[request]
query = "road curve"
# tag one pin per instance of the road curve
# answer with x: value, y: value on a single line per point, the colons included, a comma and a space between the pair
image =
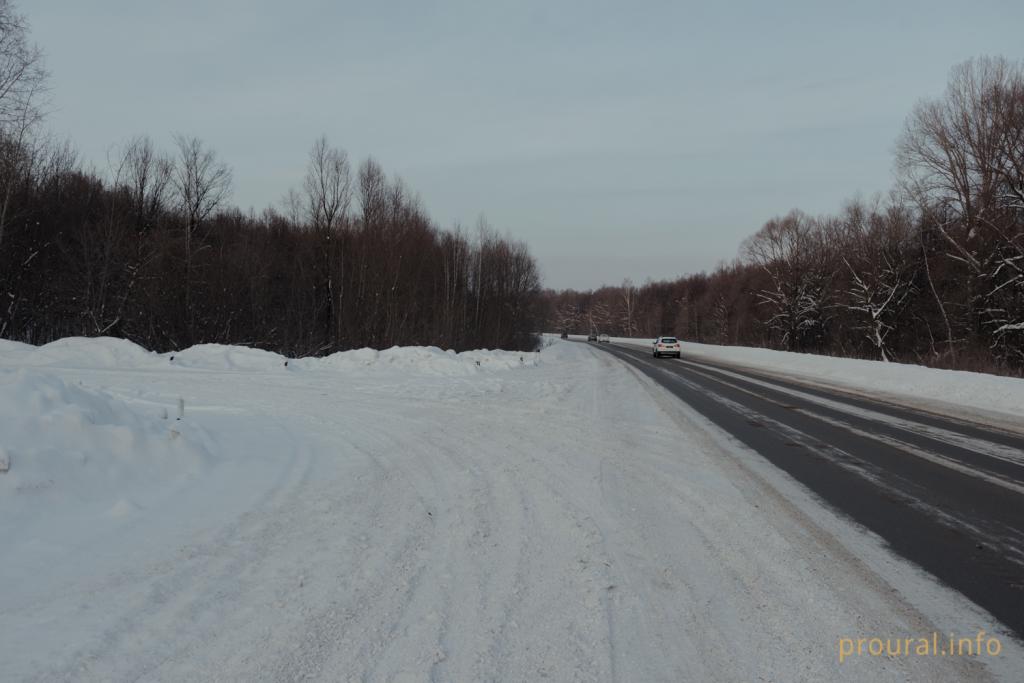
x: 945, y: 493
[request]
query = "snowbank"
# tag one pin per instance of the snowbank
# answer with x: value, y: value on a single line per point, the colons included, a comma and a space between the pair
x: 948, y: 389
x: 224, y: 357
x: 86, y: 352
x: 66, y: 446
x: 426, y: 360
x: 63, y: 442
x: 111, y: 353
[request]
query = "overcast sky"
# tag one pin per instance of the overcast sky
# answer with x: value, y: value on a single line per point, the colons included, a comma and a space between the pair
x: 639, y: 140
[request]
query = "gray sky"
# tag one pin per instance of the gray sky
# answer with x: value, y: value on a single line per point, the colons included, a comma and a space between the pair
x: 640, y: 140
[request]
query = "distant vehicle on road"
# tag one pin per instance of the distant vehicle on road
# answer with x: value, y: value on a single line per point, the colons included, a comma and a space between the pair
x: 591, y: 337
x: 666, y: 346
x: 565, y: 335
x: 603, y: 339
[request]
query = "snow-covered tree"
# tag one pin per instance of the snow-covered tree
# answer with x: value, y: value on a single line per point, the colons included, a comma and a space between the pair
x: 797, y: 258
x: 877, y: 244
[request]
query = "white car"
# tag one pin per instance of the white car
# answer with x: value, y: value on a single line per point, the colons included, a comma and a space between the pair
x: 666, y: 346
x: 603, y: 338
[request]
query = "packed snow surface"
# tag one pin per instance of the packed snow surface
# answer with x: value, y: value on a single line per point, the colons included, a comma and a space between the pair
x: 414, y: 514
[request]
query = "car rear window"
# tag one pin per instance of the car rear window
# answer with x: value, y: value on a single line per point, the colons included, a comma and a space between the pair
x: 668, y: 340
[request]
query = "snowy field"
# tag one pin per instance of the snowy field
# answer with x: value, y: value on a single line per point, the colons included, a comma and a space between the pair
x: 953, y: 391
x: 416, y: 515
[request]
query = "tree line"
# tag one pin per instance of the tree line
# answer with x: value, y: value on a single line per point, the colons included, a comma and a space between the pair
x: 153, y: 252
x: 932, y: 272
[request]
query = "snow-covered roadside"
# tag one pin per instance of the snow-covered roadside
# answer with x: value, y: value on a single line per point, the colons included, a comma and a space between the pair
x: 427, y: 517
x: 963, y: 393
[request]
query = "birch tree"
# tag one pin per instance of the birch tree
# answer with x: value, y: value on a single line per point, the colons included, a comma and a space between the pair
x: 627, y: 309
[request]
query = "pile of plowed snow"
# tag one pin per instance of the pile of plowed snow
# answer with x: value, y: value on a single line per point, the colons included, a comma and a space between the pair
x: 63, y: 444
x: 427, y: 360
x: 67, y: 444
x: 108, y: 352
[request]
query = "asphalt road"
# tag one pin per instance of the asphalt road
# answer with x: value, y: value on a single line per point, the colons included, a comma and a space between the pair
x: 944, y: 493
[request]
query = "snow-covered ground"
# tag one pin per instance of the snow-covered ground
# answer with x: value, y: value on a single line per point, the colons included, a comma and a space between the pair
x: 419, y: 515
x: 954, y: 391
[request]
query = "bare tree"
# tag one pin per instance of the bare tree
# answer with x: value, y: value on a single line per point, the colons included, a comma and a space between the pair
x: 948, y: 149
x: 294, y: 207
x: 201, y: 183
x: 23, y: 81
x: 962, y: 158
x: 23, y: 74
x: 1007, y: 110
x: 146, y: 176
x: 328, y: 185
x: 373, y: 190
x: 110, y: 258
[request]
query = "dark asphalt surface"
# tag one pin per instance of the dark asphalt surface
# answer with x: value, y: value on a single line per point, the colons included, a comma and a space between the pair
x: 944, y: 493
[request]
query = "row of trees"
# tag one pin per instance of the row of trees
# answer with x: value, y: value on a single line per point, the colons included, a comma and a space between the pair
x: 153, y: 252
x: 933, y: 272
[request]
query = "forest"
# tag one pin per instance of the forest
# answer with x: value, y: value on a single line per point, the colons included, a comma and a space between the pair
x: 152, y: 251
x: 932, y: 272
